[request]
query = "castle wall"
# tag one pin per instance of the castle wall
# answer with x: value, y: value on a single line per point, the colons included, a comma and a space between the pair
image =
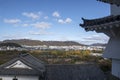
x: 116, y: 67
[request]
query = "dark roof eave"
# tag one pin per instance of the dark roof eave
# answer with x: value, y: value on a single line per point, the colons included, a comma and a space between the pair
x: 116, y: 2
x: 102, y: 27
x: 20, y: 74
x: 15, y: 71
x: 101, y: 23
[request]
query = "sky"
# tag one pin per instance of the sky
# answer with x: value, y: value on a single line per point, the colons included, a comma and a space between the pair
x: 51, y: 20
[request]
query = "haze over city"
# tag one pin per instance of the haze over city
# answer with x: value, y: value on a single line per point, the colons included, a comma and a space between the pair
x: 54, y: 20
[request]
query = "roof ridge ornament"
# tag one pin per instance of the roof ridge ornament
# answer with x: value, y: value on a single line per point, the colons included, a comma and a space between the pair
x: 23, y: 54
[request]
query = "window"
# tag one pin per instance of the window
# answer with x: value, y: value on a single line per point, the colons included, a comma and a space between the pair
x: 15, y: 78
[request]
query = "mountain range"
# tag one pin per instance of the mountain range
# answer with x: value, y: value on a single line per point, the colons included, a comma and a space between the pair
x: 37, y: 42
x: 98, y: 44
x: 48, y: 43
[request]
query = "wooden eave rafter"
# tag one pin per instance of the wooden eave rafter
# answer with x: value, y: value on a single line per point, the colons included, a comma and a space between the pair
x: 102, y: 26
x: 101, y: 23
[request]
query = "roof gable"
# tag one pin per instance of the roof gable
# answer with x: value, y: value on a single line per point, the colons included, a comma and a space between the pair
x: 18, y: 64
x: 24, y: 64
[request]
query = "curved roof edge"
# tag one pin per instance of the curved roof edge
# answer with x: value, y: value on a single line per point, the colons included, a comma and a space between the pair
x: 116, y: 2
x: 101, y: 23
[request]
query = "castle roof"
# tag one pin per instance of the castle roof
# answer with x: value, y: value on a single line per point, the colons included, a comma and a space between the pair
x: 116, y: 2
x: 111, y: 21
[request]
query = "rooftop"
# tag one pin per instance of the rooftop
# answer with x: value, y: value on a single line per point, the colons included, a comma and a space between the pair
x: 116, y: 2
x: 36, y: 65
x: 74, y: 72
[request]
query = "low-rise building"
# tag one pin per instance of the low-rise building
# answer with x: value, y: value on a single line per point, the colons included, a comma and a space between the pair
x: 23, y: 67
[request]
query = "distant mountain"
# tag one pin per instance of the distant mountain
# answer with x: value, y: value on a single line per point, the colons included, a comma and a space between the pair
x: 98, y: 44
x: 9, y: 44
x: 48, y: 43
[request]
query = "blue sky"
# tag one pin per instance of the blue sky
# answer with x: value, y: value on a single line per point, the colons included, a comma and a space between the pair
x: 50, y: 20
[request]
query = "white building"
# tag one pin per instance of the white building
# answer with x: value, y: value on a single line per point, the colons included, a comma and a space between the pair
x: 24, y: 67
x: 110, y: 26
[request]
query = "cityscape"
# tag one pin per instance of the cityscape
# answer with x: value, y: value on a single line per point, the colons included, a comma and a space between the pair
x: 45, y: 47
x: 60, y: 40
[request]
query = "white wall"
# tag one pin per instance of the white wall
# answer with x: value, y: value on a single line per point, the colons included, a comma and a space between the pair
x: 115, y: 10
x: 18, y: 64
x: 19, y: 77
x: 112, y: 49
x: 116, y: 67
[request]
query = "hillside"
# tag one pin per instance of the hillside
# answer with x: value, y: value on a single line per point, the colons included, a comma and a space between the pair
x: 37, y: 42
x: 98, y: 44
x: 9, y: 44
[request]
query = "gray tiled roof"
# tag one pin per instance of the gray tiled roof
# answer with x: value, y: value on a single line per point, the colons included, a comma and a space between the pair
x: 74, y: 72
x: 53, y: 72
x: 36, y: 65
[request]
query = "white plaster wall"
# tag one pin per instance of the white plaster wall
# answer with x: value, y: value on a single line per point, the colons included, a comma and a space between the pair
x: 18, y: 64
x: 116, y: 67
x: 115, y: 10
x: 19, y: 77
x: 112, y: 49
